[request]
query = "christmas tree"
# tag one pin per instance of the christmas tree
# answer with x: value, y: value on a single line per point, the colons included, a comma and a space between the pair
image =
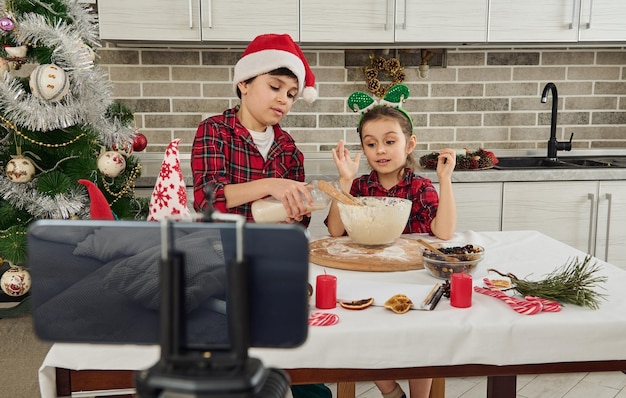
x: 58, y: 125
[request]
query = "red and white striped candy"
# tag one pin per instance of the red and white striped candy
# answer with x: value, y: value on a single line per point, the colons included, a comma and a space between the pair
x: 323, y: 319
x: 548, y: 305
x: 520, y: 306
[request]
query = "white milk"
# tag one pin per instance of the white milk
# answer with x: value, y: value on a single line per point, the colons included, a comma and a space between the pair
x: 271, y: 210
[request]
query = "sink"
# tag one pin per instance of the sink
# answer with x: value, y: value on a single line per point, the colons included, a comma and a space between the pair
x: 507, y: 163
x: 572, y: 162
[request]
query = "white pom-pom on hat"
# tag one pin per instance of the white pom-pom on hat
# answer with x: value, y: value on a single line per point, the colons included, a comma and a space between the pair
x: 272, y: 51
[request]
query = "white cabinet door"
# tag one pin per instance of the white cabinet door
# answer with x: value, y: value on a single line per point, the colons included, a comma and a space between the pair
x: 563, y: 210
x: 478, y: 205
x: 611, y: 226
x: 603, y: 20
x: 441, y: 21
x: 533, y: 21
x: 232, y: 20
x: 154, y: 20
x: 347, y: 21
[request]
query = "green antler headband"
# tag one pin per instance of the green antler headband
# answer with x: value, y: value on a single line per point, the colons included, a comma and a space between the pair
x: 363, y: 103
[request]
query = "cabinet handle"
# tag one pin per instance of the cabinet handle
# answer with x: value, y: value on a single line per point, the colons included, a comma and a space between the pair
x: 209, y: 13
x: 588, y: 25
x: 609, y: 198
x: 190, y: 8
x: 571, y: 24
x: 404, y: 20
x: 592, y: 198
x: 387, y: 14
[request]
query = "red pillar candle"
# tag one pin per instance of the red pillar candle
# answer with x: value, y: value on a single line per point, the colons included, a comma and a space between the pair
x: 326, y: 292
x: 461, y: 290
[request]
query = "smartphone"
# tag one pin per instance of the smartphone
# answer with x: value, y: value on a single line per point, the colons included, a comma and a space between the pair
x: 99, y: 281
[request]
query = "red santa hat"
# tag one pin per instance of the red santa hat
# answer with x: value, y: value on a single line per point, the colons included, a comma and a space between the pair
x: 169, y: 198
x: 99, y: 208
x: 272, y: 51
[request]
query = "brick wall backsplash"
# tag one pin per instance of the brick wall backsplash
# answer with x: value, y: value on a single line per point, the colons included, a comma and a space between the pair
x: 482, y: 98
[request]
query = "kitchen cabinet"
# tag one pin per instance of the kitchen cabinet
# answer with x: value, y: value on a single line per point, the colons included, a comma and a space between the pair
x: 602, y: 20
x: 557, y: 21
x: 196, y: 20
x: 564, y: 210
x: 611, y: 234
x: 393, y: 21
x: 227, y: 20
x: 321, y: 21
x: 460, y: 21
x: 589, y: 215
x: 478, y: 205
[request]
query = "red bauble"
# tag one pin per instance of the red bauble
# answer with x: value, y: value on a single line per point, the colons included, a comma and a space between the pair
x: 140, y: 142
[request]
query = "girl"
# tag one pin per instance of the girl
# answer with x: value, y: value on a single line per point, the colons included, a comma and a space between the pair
x: 387, y: 142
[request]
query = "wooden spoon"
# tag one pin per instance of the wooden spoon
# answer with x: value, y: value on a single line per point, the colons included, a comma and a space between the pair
x: 336, y: 194
x: 435, y: 250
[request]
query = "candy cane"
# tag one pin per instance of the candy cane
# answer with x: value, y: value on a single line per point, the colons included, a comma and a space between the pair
x: 520, y: 306
x: 323, y: 319
x: 548, y: 305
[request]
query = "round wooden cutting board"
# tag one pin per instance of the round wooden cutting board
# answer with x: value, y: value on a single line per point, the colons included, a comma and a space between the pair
x: 343, y: 253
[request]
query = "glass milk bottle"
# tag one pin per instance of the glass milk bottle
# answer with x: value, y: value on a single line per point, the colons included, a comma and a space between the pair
x: 271, y: 210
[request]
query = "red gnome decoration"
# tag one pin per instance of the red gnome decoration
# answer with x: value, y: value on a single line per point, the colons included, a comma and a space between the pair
x: 99, y: 208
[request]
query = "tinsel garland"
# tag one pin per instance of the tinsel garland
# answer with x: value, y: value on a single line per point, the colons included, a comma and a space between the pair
x: 25, y: 197
x: 90, y: 93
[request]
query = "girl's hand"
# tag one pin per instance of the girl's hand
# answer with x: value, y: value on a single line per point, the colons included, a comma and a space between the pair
x: 445, y: 163
x: 346, y: 167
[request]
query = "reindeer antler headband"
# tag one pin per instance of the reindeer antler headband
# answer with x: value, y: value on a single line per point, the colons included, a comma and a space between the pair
x: 363, y: 103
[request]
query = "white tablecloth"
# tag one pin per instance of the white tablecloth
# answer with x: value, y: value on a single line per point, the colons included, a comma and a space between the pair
x: 489, y: 332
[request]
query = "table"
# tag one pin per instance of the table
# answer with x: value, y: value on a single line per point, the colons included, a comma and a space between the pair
x: 487, y: 339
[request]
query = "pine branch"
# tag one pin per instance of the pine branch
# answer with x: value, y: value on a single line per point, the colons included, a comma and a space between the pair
x: 572, y: 283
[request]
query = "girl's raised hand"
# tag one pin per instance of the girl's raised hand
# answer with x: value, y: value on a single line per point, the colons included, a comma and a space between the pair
x: 445, y: 163
x: 346, y: 167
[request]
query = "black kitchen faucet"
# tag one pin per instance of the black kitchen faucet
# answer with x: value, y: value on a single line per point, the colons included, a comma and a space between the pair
x: 553, y: 144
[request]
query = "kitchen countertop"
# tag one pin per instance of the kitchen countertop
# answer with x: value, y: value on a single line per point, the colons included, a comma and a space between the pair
x: 320, y: 166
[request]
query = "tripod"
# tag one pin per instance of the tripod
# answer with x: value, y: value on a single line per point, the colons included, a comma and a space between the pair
x: 227, y: 373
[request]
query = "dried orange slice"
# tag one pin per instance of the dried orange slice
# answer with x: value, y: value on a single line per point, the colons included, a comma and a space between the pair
x: 399, y: 303
x: 357, y: 304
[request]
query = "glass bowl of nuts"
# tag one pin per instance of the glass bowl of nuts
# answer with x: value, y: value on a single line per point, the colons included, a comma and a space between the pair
x: 452, y: 258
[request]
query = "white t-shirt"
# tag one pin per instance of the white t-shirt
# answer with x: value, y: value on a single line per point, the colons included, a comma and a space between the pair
x: 263, y: 140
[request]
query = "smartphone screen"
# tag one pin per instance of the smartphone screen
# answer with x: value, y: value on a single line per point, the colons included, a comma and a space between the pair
x: 99, y: 281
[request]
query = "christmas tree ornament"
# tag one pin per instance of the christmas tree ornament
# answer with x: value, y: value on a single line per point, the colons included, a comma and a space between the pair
x: 49, y: 82
x: 111, y: 163
x: 140, y: 142
x: 169, y: 198
x: 125, y: 148
x: 99, y: 208
x: 20, y: 169
x: 7, y: 24
x: 15, y: 281
x: 16, y: 52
